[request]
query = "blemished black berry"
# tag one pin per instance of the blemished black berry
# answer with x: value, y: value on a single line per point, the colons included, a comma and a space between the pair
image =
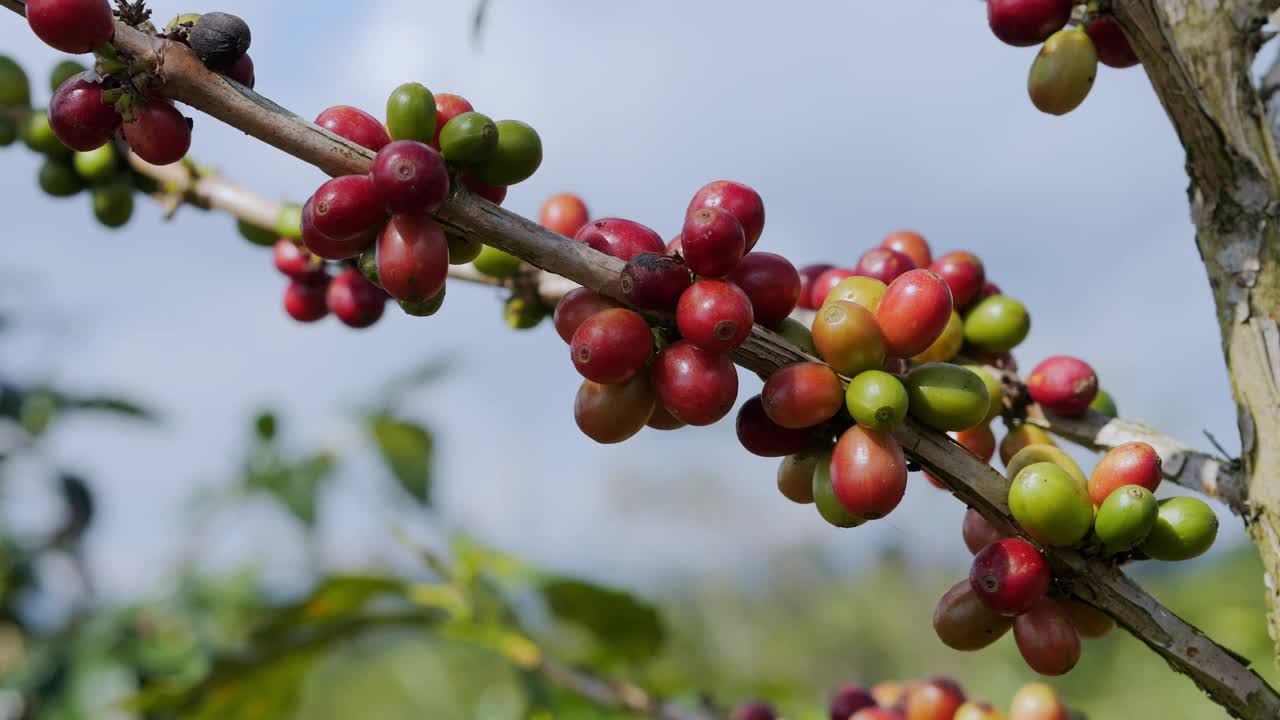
x: 220, y: 39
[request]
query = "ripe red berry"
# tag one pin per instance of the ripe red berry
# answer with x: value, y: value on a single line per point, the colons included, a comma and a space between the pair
x: 909, y: 243
x: 809, y: 275
x: 712, y: 241
x: 413, y: 258
x: 564, y: 213
x: 448, y: 107
x: 611, y: 346
x: 753, y: 711
x: 697, y: 387
x: 242, y: 71
x: 964, y: 274
x: 848, y: 700
x: 410, y: 177
x: 763, y: 437
x: 676, y: 246
x: 772, y: 283
x: 574, y: 309
x: 305, y: 298
x: 1010, y: 576
x: 1109, y: 40
x: 611, y: 414
x: 883, y: 264
x: 346, y: 207
x: 79, y: 117
x: 159, y: 133
x: 1024, y: 23
x: 295, y: 261
x: 72, y: 26
x: 662, y: 419
x: 493, y: 193
x: 355, y: 301
x: 1063, y: 385
x: 868, y: 472
x: 988, y: 290
x: 825, y: 283
x: 715, y: 315
x: 913, y: 312
x: 803, y: 395
x: 653, y: 281
x: 329, y: 248
x: 623, y: 239
x: 933, y: 699
x: 355, y: 125
x: 739, y: 200
x: 978, y: 532
x: 1048, y: 641
x: 1133, y: 463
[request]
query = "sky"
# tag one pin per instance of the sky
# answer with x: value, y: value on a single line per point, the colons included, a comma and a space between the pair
x: 851, y: 120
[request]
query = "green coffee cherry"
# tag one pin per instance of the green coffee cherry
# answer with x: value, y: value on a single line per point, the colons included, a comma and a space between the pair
x: 1125, y: 518
x: 113, y: 203
x: 1105, y: 404
x: 8, y: 132
x: 462, y: 250
x: 523, y: 313
x: 424, y: 308
x: 824, y: 496
x: 63, y: 72
x: 289, y: 223
x: 39, y: 136
x: 1062, y: 74
x: 997, y: 324
x: 59, y: 179
x: 1050, y: 505
x: 516, y: 157
x: 947, y: 397
x: 995, y: 391
x: 798, y: 334
x: 411, y: 113
x: 368, y: 264
x: 256, y: 235
x: 468, y: 139
x: 495, y: 263
x: 1185, y: 528
x: 15, y: 88
x: 97, y: 165
x: 877, y: 400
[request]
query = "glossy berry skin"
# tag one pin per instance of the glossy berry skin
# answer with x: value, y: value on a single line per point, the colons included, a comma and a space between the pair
x: 974, y: 710
x: 795, y: 476
x: 715, y: 315
x: 1023, y: 23
x: 242, y: 71
x: 743, y: 203
x: 159, y: 133
x: 1133, y: 463
x: 753, y: 711
x: 1049, y: 643
x: 611, y: 346
x: 964, y: 622
x: 712, y: 241
x: 827, y: 282
x: 410, y: 177
x: 294, y: 261
x: 413, y: 258
x: 1064, y: 385
x: 493, y: 193
x: 1109, y: 40
x: 964, y: 274
x: 1010, y: 576
x: 910, y: 243
x: 979, y: 441
x: 676, y: 246
x: 934, y: 699
x: 346, y: 207
x: 355, y: 125
x: 883, y: 264
x: 610, y: 414
x: 79, y: 117
x: 654, y: 281
x: 978, y: 532
x: 698, y: 388
x: 574, y: 309
x: 848, y: 338
x: 448, y: 107
x: 802, y: 395
x: 761, y: 436
x: 772, y: 283
x: 72, y: 26
x: 305, y: 299
x: 355, y: 301
x: 564, y: 213
x: 321, y: 245
x: 1038, y: 701
x: 913, y: 312
x: 623, y: 239
x: 868, y: 472
x: 809, y: 274
x: 848, y: 700
x: 663, y: 420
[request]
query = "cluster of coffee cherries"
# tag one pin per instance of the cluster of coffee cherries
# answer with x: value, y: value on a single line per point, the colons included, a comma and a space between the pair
x: 377, y: 227
x: 937, y: 698
x: 1063, y: 73
x: 1111, y: 513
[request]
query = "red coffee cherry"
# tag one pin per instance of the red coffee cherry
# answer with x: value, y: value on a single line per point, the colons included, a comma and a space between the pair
x: 913, y: 312
x: 355, y: 125
x: 79, y: 117
x: 763, y: 437
x: 743, y: 203
x: 1109, y: 40
x: 653, y: 281
x: 712, y: 241
x: 159, y: 133
x: 883, y: 264
x: 848, y: 700
x: 305, y: 298
x: 295, y: 261
x: 910, y: 243
x: 611, y: 346
x: 1048, y: 641
x: 355, y: 301
x: 715, y: 315
x: 978, y: 532
x: 753, y: 711
x: 771, y: 282
x: 697, y: 387
x: 1010, y: 576
x: 623, y: 239
x: 564, y: 213
x: 676, y: 246
x: 825, y: 283
x: 493, y: 193
x: 964, y: 274
x: 933, y: 699
x: 803, y: 395
x: 1063, y: 385
x: 329, y: 248
x: 611, y: 414
x: 242, y: 71
x: 72, y: 26
x: 662, y: 419
x: 809, y: 275
x: 868, y: 472
x: 410, y: 177
x: 413, y: 258
x: 346, y: 207
x: 574, y: 309
x: 1133, y: 463
x: 448, y: 107
x: 1023, y: 23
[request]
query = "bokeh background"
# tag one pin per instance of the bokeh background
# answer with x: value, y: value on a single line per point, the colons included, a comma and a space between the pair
x: 852, y: 120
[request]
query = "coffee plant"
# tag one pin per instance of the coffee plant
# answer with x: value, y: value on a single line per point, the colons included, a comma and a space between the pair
x: 873, y: 365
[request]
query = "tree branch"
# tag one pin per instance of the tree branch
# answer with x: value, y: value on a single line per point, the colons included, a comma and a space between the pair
x: 1212, y: 667
x: 619, y: 695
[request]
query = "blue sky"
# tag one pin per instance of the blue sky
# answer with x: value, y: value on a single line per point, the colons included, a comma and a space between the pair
x: 851, y: 119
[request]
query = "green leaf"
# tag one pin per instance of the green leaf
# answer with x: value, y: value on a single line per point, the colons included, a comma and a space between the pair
x: 265, y: 426
x: 296, y: 486
x: 111, y: 405
x: 623, y: 625
x: 406, y: 447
